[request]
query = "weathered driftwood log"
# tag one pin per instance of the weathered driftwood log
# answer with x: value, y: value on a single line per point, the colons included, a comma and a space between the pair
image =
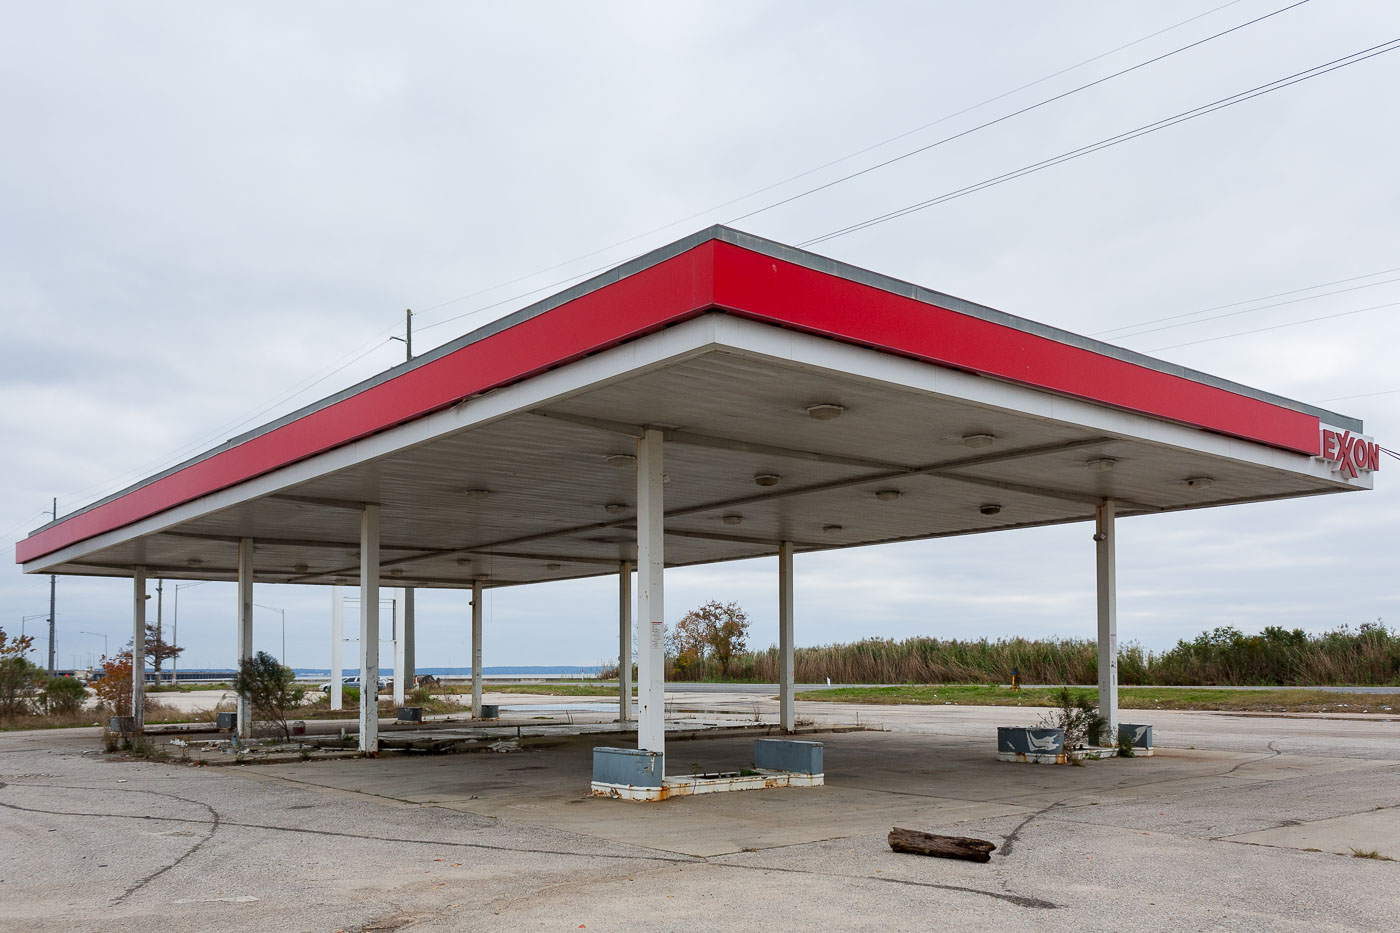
x: 917, y: 843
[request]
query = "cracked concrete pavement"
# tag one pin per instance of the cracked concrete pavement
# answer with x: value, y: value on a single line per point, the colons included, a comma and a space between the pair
x: 1213, y: 833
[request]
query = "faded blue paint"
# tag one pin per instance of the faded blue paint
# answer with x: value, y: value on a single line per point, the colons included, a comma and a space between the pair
x: 1140, y: 736
x: 635, y: 767
x: 1030, y: 741
x: 788, y: 755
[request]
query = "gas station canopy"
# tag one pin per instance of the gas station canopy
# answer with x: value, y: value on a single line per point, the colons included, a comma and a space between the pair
x: 801, y: 400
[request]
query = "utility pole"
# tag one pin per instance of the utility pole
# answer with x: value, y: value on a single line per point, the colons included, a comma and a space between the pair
x: 407, y: 338
x: 160, y: 604
x: 53, y: 595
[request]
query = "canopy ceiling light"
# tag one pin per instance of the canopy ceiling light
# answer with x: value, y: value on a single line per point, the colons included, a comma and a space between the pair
x: 615, y: 508
x: 301, y: 568
x: 553, y: 567
x: 396, y: 572
x: 477, y: 494
x: 1200, y: 482
x: 824, y: 411
x: 989, y: 508
x: 1101, y: 464
x: 733, y: 519
x: 832, y: 529
x: 194, y: 562
x: 621, y: 460
x: 766, y: 479
x: 975, y: 441
x: 463, y: 562
x: 887, y: 495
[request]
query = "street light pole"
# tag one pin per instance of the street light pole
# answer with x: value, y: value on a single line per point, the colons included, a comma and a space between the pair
x: 53, y: 594
x: 101, y: 636
x: 284, y: 629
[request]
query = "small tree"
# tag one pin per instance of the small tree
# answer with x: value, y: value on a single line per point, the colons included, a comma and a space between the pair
x: 718, y: 629
x: 270, y: 690
x: 113, y: 688
x: 18, y: 675
x: 158, y: 650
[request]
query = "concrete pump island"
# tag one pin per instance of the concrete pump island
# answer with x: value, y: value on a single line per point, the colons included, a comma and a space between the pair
x: 721, y: 398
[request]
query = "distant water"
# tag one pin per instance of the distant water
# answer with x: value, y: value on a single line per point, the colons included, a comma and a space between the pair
x: 556, y: 670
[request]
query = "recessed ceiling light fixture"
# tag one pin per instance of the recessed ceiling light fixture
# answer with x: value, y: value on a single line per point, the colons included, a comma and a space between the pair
x: 621, y: 460
x: 766, y: 479
x: 194, y: 562
x: 341, y: 581
x: 887, y: 495
x: 1200, y: 482
x: 396, y: 572
x: 975, y: 441
x: 832, y: 529
x: 477, y: 494
x: 552, y: 567
x: 301, y: 568
x: 1101, y: 464
x: 463, y: 562
x: 615, y: 508
x: 824, y: 411
x: 733, y: 518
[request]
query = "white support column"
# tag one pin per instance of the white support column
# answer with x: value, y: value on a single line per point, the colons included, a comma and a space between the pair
x: 786, y: 707
x: 1104, y: 547
x: 138, y: 648
x: 369, y: 629
x: 624, y: 642
x: 409, y: 661
x: 245, y: 628
x: 476, y: 649
x: 337, y: 645
x: 399, y: 609
x: 651, y: 611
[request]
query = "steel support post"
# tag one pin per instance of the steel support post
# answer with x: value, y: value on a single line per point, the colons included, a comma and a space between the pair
x: 337, y: 645
x: 245, y: 628
x: 624, y: 642
x: 1108, y: 618
x: 476, y: 649
x: 138, y: 648
x: 410, y: 672
x: 651, y: 612
x: 369, y: 629
x: 786, y: 707
x: 398, y: 650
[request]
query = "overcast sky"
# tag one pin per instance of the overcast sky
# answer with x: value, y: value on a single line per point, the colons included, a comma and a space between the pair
x: 204, y: 209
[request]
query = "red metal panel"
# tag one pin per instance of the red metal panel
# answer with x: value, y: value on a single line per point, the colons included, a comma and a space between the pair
x: 712, y: 274
x: 783, y: 293
x: 669, y: 291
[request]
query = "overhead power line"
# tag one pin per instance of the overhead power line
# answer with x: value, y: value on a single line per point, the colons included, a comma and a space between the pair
x: 1015, y: 113
x: 1276, y: 304
x: 1111, y: 141
x: 870, y: 148
x: 1260, y: 330
x: 1248, y: 301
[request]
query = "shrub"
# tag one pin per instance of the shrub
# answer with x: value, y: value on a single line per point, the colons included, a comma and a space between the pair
x: 1075, y: 713
x: 113, y: 688
x: 18, y: 675
x: 270, y: 689
x: 63, y: 696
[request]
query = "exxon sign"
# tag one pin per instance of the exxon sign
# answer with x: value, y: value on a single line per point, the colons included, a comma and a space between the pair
x: 1350, y: 454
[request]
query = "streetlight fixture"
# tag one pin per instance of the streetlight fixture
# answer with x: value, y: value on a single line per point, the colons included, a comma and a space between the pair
x: 101, y: 636
x: 24, y: 619
x: 175, y: 628
x: 283, y: 612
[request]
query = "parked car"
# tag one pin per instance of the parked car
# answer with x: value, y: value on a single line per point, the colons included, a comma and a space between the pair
x: 353, y: 682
